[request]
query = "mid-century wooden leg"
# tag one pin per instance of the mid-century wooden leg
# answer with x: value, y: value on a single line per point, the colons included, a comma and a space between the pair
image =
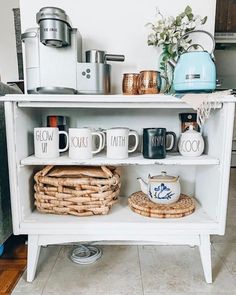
x: 32, y: 257
x: 205, y: 253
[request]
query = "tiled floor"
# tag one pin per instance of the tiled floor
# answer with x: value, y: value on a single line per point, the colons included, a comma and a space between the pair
x: 140, y: 270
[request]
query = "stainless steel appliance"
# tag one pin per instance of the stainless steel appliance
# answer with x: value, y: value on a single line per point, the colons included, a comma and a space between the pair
x: 50, y: 69
x: 53, y: 58
x: 225, y: 58
x: 52, y: 51
x: 55, y: 27
x: 93, y: 76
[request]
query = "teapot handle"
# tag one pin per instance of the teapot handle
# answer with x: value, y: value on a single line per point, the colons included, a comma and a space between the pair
x: 192, y: 45
x: 196, y: 31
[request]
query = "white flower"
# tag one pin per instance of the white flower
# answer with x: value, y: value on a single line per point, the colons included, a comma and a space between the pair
x: 191, y: 25
x: 152, y: 38
x: 198, y: 21
x: 169, y: 30
x: 183, y: 26
x: 185, y: 19
x: 174, y: 40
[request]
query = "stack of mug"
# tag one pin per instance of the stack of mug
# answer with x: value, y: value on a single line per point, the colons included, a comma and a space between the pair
x: 83, y: 143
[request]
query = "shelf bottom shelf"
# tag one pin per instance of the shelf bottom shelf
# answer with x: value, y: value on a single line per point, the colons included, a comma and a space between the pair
x: 134, y: 159
x: 120, y: 220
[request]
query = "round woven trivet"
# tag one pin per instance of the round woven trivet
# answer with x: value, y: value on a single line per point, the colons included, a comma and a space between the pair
x: 140, y: 203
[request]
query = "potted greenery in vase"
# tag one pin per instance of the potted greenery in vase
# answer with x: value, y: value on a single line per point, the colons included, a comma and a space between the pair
x: 166, y: 32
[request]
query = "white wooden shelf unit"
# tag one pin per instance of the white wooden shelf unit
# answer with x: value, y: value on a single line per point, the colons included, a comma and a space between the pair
x: 206, y: 178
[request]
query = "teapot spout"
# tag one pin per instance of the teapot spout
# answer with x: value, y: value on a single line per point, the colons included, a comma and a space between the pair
x: 143, y: 185
x: 172, y: 63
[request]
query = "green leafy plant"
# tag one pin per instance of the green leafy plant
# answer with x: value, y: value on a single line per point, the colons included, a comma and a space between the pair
x: 166, y: 33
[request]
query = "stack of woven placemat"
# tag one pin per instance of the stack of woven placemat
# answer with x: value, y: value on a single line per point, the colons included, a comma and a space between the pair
x: 140, y: 203
x: 76, y: 190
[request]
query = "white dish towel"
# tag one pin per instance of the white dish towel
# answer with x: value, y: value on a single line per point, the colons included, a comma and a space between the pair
x: 203, y: 103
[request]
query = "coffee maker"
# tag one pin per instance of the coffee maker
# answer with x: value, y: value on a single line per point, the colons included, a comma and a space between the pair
x: 53, y: 58
x: 51, y: 53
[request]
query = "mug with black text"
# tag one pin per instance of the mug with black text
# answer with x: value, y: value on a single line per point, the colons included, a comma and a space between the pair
x: 118, y: 142
x: 46, y: 142
x: 81, y: 143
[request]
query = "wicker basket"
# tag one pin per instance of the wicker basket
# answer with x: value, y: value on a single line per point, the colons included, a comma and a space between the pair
x: 76, y: 190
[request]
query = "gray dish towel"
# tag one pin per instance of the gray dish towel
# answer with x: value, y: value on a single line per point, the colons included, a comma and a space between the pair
x: 9, y: 89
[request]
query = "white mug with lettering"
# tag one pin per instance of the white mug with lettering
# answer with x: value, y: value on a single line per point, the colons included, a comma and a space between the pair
x: 46, y: 142
x: 80, y: 143
x: 118, y: 142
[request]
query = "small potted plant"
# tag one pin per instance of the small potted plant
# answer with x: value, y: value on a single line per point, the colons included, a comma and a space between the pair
x: 165, y: 33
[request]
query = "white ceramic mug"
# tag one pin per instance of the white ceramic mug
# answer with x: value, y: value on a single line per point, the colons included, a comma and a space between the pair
x: 80, y: 143
x: 46, y: 142
x: 118, y: 142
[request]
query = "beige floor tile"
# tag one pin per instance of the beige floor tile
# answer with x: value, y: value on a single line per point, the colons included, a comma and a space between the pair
x: 227, y: 252
x: 116, y: 273
x: 230, y: 233
x: 153, y: 292
x: 47, y: 260
x: 178, y: 270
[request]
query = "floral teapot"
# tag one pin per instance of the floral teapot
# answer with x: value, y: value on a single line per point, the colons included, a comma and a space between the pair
x: 161, y: 189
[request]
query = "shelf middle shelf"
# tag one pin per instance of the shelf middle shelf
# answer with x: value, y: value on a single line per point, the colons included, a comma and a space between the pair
x: 136, y: 159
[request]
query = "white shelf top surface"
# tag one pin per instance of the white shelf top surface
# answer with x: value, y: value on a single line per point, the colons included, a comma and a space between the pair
x: 120, y: 216
x: 135, y: 159
x: 113, y: 98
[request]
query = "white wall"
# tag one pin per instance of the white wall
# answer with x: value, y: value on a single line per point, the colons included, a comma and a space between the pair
x: 118, y: 26
x: 8, y: 58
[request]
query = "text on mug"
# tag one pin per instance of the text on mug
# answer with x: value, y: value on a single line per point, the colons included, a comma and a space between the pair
x: 79, y: 142
x: 44, y: 135
x: 157, y: 141
x: 190, y: 146
x: 117, y: 141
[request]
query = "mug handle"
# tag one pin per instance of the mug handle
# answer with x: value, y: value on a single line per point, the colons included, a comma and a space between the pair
x: 139, y: 82
x: 135, y: 134
x: 173, y: 141
x: 67, y: 141
x: 103, y: 138
x: 100, y: 147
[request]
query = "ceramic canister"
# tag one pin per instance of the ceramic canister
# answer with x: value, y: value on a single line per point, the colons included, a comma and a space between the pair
x: 191, y: 143
x: 163, y: 189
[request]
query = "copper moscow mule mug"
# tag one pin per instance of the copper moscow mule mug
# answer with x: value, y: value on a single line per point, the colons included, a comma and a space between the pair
x: 130, y: 84
x: 149, y: 82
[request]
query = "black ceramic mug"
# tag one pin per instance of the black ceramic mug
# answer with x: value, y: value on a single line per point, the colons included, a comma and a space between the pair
x: 154, y: 142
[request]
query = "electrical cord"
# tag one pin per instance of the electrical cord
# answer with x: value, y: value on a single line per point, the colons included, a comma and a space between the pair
x: 85, y: 254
